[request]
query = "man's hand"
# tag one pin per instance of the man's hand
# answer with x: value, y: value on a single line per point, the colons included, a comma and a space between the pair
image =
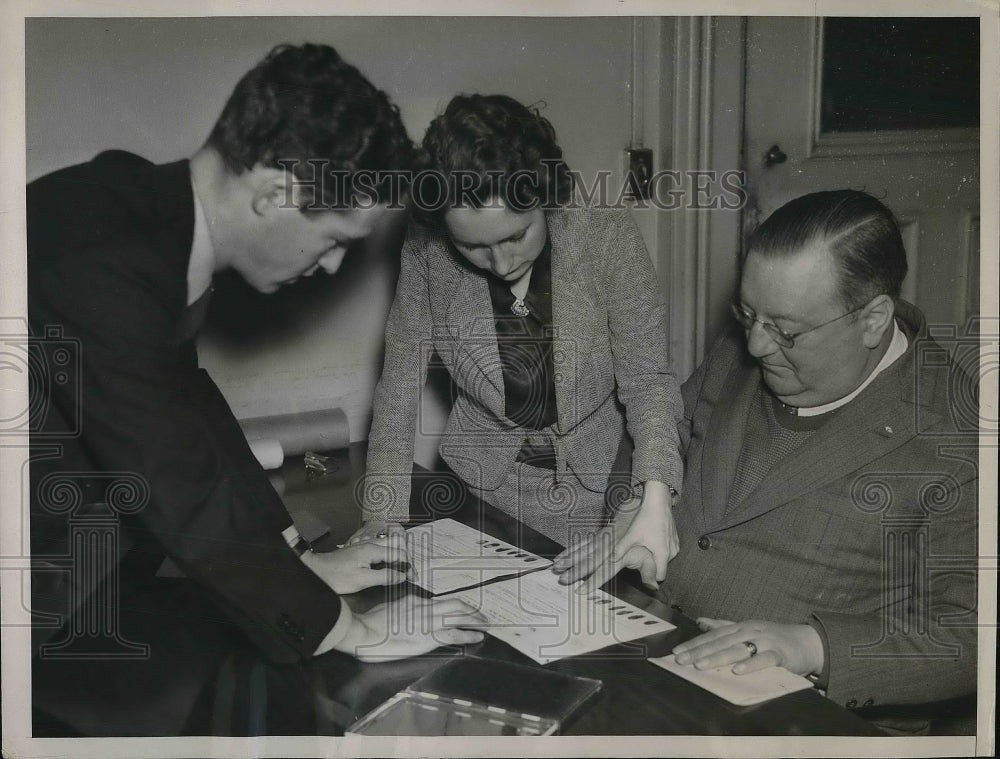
x: 409, y: 627
x: 643, y: 537
x: 797, y: 648
x: 353, y: 568
x: 378, y: 530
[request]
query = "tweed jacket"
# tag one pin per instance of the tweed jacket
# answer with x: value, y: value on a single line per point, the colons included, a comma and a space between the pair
x: 609, y: 352
x: 141, y: 426
x: 868, y: 532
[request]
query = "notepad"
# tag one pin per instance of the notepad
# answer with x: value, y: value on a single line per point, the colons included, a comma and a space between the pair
x: 741, y: 690
x: 446, y: 556
x: 547, y: 621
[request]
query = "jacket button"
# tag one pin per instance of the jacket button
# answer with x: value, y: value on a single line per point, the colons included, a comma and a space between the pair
x: 704, y: 543
x: 869, y: 702
x: 851, y: 704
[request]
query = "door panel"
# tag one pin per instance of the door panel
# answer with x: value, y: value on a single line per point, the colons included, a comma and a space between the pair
x: 928, y: 177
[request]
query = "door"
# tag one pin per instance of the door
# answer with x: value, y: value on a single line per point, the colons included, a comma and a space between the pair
x: 889, y: 106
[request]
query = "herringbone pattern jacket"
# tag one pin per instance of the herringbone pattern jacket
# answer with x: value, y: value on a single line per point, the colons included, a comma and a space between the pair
x: 609, y: 349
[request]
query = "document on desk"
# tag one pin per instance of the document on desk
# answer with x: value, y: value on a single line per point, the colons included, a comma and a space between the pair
x: 742, y: 690
x: 446, y: 556
x: 548, y: 621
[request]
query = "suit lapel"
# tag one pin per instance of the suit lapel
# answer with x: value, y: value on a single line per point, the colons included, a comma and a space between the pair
x: 572, y: 310
x: 171, y: 191
x: 878, y: 421
x: 472, y: 330
x: 728, y: 424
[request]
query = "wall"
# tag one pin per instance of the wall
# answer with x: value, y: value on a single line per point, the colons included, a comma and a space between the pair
x: 155, y: 86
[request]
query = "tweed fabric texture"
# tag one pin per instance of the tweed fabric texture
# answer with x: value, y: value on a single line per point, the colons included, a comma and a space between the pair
x: 826, y: 537
x: 609, y: 354
x: 768, y: 442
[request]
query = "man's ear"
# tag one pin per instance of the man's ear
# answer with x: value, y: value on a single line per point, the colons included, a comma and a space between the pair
x: 877, y: 317
x: 271, y: 191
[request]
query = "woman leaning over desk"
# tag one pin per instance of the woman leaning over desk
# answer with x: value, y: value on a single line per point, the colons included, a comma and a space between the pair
x: 549, y: 320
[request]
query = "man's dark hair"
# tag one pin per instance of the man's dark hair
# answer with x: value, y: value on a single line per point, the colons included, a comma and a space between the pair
x: 491, y: 147
x: 859, y: 231
x: 306, y: 104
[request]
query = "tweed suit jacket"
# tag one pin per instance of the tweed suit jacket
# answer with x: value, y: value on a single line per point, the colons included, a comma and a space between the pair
x: 867, y: 532
x: 108, y: 249
x: 609, y: 352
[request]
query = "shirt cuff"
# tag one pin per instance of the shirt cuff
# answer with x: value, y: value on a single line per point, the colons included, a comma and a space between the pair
x: 639, y: 488
x: 294, y: 540
x: 339, y: 631
x: 822, y: 679
x: 290, y: 534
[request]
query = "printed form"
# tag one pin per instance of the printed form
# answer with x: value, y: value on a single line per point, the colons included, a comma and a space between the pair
x: 530, y: 610
x: 547, y: 621
x: 446, y: 555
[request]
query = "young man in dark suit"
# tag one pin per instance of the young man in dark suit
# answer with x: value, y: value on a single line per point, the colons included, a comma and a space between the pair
x: 121, y: 255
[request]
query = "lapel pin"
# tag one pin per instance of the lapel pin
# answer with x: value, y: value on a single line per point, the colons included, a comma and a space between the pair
x: 885, y: 431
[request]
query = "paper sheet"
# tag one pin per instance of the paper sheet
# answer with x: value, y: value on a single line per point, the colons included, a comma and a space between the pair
x: 447, y: 555
x: 548, y: 621
x: 742, y: 690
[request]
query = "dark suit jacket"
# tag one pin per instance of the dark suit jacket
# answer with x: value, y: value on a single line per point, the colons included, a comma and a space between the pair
x: 132, y: 421
x: 609, y: 346
x: 868, y: 532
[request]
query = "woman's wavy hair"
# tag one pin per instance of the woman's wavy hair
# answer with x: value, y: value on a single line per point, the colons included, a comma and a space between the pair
x: 305, y: 107
x: 489, y: 148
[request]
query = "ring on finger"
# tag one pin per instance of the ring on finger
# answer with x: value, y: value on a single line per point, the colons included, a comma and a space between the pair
x: 751, y: 647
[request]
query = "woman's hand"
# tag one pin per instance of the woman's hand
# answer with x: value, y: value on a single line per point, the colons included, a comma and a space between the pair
x: 643, y: 536
x: 352, y: 568
x: 409, y: 627
x: 797, y: 648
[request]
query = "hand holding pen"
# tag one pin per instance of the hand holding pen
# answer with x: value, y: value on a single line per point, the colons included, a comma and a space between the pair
x: 377, y: 561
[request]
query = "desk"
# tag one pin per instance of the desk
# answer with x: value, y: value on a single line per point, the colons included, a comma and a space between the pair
x: 638, y: 698
x: 205, y: 678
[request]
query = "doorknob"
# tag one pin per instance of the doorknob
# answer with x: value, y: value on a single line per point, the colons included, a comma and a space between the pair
x: 774, y: 155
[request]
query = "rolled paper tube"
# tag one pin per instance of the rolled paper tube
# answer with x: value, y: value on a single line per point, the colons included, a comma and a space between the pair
x: 268, y: 452
x: 319, y: 431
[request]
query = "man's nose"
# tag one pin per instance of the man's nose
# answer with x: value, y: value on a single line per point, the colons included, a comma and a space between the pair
x: 759, y: 341
x: 331, y: 260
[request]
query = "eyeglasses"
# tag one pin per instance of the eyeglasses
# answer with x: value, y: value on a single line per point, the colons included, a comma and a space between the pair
x: 782, y: 338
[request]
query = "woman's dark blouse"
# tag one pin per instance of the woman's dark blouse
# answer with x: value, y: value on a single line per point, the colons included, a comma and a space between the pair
x: 525, y: 345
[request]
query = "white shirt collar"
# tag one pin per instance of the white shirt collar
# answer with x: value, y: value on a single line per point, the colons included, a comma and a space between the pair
x: 896, y: 349
x: 201, y: 265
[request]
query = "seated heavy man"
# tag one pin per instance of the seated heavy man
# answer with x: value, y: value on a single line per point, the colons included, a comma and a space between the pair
x: 829, y: 502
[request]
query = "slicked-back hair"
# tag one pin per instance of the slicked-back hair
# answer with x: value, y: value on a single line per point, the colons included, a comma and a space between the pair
x: 491, y: 147
x: 859, y: 232
x: 306, y: 108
